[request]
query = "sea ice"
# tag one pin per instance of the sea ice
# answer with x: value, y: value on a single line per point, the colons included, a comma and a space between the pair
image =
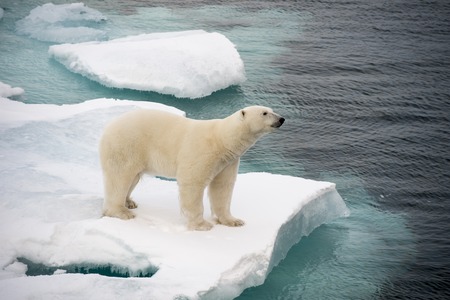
x: 62, y: 23
x: 50, y: 214
x: 187, y: 64
x: 8, y: 91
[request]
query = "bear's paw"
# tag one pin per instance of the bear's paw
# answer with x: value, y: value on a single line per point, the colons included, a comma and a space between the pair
x: 131, y: 204
x: 121, y: 213
x: 202, y: 226
x: 232, y: 222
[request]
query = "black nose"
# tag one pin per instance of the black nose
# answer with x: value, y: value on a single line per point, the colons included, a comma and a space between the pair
x: 281, y: 121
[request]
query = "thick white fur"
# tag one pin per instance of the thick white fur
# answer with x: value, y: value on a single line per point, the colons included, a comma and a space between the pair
x: 198, y: 153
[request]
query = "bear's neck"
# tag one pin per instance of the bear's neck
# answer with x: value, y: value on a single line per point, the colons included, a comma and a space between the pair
x: 235, y: 136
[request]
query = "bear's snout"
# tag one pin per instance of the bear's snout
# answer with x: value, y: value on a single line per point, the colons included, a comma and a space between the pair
x: 279, y: 122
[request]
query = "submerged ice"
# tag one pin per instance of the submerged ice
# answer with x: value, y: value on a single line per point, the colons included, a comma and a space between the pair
x: 187, y: 64
x: 62, y: 23
x: 51, y: 216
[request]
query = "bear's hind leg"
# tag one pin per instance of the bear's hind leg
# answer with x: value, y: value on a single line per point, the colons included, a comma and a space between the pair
x: 220, y: 191
x: 129, y: 202
x: 116, y: 203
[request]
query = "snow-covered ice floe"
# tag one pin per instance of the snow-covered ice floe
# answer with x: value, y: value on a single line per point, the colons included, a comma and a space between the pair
x: 51, y: 224
x: 62, y: 23
x: 186, y: 64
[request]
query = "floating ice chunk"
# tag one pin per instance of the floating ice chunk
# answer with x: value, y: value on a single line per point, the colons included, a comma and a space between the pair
x: 189, y: 64
x: 62, y: 23
x: 8, y: 91
x: 1, y: 13
x: 51, y: 215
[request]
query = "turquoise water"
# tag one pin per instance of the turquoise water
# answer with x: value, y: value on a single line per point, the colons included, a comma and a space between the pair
x: 364, y: 88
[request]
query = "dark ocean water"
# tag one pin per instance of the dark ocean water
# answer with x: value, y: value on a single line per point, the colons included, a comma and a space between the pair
x: 365, y: 88
x: 375, y: 78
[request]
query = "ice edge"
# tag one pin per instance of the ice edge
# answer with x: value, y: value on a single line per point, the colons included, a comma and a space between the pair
x: 307, y: 217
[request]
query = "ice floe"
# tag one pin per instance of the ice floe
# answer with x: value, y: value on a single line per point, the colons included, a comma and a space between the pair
x: 62, y: 23
x: 51, y: 224
x: 8, y: 91
x: 187, y: 64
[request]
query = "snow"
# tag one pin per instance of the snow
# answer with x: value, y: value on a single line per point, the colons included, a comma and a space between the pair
x: 186, y: 64
x: 50, y: 214
x: 14, y: 113
x: 62, y: 23
x: 8, y: 91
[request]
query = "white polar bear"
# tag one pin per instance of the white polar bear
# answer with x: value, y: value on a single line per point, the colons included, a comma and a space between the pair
x: 198, y: 153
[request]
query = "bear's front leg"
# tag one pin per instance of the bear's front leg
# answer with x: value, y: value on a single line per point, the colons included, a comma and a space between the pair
x: 191, y: 202
x: 220, y: 191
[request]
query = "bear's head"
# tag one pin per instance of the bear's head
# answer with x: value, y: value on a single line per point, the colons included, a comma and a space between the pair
x: 260, y: 120
x: 242, y: 129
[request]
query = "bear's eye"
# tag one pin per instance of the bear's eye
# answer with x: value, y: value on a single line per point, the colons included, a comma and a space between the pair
x: 264, y: 113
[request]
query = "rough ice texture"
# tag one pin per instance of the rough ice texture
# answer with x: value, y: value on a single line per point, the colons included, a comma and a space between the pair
x: 62, y: 23
x: 8, y: 91
x: 50, y: 214
x: 187, y: 64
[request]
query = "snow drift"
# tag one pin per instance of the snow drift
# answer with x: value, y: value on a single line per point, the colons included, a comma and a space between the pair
x: 187, y: 64
x: 51, y: 224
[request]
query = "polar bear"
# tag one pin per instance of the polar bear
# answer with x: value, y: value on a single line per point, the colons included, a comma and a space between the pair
x: 197, y: 153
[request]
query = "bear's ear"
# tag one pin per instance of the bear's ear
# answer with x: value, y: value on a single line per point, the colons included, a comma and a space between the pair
x: 243, y: 113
